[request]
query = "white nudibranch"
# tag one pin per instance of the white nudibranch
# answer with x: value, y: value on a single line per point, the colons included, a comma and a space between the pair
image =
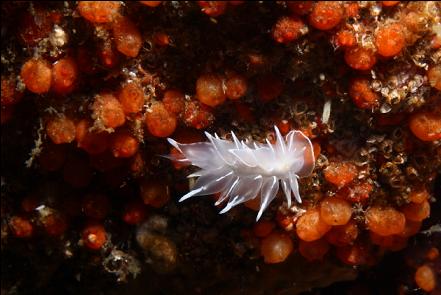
x: 239, y: 170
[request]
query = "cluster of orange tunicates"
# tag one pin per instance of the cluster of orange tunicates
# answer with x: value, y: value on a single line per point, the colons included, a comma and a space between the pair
x: 427, y: 273
x: 390, y: 39
x: 105, y: 135
x: 118, y: 122
x: 111, y: 137
x: 332, y: 222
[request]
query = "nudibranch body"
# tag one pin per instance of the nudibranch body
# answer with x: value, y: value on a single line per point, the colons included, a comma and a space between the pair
x: 240, y: 170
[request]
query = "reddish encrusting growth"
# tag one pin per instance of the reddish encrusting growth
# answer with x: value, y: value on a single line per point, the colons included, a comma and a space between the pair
x: 94, y: 236
x: 340, y: 173
x: 99, y: 11
x: 362, y: 94
x: 288, y: 29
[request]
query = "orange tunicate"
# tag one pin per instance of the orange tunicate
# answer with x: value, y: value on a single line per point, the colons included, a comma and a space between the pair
x: 151, y: 3
x: 107, y: 110
x: 390, y: 40
x: 300, y: 7
x: 335, y: 211
x: 416, y: 211
x: 314, y: 250
x: 21, y: 227
x: 95, y: 205
x: 276, y: 247
x: 244, y: 112
x: 123, y: 144
x: 426, y: 125
x: 131, y: 96
x: 356, y: 193
x: 236, y: 86
x: 197, y: 115
x: 127, y: 37
x: 154, y: 192
x: 210, y: 89
x: 434, y: 76
x: 340, y: 173
x: 159, y: 121
x: 174, y: 101
x: 342, y: 235
x: 288, y: 29
x: 425, y: 278
x: 326, y: 15
x: 385, y: 221
x: 92, y: 142
x: 37, y: 75
x: 345, y: 38
x: 389, y: 3
x: 94, y: 236
x: 99, y: 11
x: 360, y: 58
x: 61, y: 130
x: 213, y: 8
x: 269, y: 87
x: 362, y: 94
x: 310, y: 226
x: 263, y: 228
x: 64, y: 75
x: 9, y: 94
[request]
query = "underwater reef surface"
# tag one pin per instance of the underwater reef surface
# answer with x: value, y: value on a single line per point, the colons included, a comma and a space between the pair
x: 91, y: 90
